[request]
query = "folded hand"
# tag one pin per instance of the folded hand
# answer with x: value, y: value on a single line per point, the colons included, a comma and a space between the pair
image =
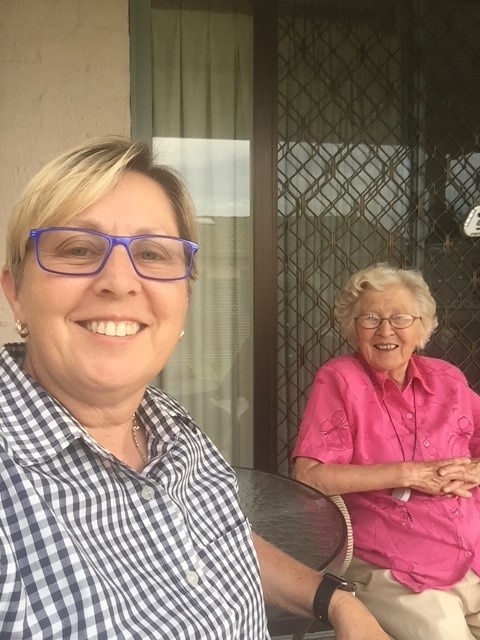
x: 456, y: 476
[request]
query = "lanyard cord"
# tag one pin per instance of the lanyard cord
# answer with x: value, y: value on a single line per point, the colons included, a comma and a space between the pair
x: 415, y: 427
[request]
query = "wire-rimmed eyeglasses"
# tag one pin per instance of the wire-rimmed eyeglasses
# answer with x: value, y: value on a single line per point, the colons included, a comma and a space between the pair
x: 70, y: 251
x: 397, y: 320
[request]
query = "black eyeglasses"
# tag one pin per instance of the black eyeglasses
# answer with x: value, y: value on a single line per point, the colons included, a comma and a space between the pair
x: 81, y: 252
x: 397, y: 320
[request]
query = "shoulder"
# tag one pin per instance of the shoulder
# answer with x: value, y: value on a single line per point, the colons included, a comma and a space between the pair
x: 167, y: 412
x: 165, y: 401
x: 341, y: 378
x: 174, y: 426
x: 427, y: 367
x: 342, y: 367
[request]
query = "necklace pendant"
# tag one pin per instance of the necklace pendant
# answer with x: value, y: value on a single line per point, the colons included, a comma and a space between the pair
x: 402, y: 494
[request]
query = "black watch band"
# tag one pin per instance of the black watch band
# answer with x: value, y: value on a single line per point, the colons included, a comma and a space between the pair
x: 325, y: 591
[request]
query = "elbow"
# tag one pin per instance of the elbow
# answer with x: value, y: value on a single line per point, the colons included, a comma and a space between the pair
x: 298, y: 472
x: 305, y: 471
x: 294, y: 472
x: 311, y: 473
x: 299, y: 475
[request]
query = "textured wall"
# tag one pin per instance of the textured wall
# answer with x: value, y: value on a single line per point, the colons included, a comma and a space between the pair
x: 64, y: 78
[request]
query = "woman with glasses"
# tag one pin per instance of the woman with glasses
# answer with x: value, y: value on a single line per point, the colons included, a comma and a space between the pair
x: 119, y: 519
x: 398, y: 434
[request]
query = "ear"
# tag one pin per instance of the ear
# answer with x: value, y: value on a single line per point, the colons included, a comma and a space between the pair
x: 11, y: 292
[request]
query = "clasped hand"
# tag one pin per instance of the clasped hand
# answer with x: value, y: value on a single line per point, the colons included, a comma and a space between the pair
x: 455, y: 477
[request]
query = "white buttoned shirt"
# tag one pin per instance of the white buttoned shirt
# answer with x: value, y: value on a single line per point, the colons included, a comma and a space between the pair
x: 90, y: 548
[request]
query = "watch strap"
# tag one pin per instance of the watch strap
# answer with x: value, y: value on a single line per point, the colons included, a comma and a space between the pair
x: 329, y: 584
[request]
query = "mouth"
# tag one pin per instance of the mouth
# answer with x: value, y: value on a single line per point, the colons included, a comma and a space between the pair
x: 386, y: 347
x: 112, y: 329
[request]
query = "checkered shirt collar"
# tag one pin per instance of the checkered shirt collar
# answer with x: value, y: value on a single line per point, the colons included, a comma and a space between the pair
x: 35, y: 427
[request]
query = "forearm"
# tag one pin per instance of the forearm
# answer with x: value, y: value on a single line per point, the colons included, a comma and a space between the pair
x: 291, y: 586
x: 433, y: 477
x: 287, y: 584
x: 332, y: 479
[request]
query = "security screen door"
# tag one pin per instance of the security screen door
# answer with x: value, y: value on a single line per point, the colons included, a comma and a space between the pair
x: 378, y: 160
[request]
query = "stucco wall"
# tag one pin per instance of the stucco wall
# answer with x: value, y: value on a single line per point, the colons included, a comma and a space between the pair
x: 64, y: 78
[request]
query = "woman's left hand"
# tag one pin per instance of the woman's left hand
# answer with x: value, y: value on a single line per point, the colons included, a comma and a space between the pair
x: 464, y: 478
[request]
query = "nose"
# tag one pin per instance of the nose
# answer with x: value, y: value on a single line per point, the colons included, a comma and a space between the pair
x: 118, y: 275
x: 384, y: 328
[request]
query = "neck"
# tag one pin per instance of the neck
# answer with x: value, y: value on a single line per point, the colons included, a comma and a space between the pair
x: 400, y: 381
x: 127, y: 442
x: 113, y: 430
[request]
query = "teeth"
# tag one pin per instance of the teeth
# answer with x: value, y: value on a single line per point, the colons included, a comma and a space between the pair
x: 386, y: 347
x: 109, y: 328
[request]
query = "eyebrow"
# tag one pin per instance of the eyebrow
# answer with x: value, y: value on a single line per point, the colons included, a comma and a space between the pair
x: 94, y: 226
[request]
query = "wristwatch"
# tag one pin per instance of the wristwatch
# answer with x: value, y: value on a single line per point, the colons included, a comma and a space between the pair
x: 325, y: 591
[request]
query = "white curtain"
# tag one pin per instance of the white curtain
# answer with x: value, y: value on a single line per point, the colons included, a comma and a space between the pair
x: 202, y: 97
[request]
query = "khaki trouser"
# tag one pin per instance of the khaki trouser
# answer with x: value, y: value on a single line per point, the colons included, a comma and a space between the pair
x: 430, y: 615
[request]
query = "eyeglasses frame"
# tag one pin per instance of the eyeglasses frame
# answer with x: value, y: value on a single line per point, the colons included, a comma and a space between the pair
x: 113, y: 241
x: 389, y: 320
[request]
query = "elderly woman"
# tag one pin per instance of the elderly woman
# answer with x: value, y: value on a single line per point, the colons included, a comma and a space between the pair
x: 119, y: 518
x: 399, y: 435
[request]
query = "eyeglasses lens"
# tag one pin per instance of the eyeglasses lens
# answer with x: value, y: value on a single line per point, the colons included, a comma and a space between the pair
x: 162, y: 258
x: 69, y: 252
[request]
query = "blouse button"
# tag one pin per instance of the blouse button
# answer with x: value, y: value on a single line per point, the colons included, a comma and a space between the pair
x: 426, y: 442
x: 147, y: 493
x: 192, y: 578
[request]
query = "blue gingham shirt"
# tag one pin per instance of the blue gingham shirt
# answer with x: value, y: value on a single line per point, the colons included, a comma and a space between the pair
x: 90, y: 548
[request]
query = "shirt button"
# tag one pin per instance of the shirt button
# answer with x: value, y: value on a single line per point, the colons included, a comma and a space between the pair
x: 409, y: 416
x: 147, y: 492
x: 455, y: 512
x: 192, y: 578
x: 426, y: 442
x: 468, y: 554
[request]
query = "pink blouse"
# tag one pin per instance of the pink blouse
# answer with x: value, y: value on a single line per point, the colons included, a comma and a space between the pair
x: 356, y: 415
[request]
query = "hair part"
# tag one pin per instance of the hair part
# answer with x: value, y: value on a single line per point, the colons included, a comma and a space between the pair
x: 78, y: 179
x: 379, y: 277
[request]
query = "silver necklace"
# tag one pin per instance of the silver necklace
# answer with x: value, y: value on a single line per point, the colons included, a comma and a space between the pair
x: 135, y: 428
x: 404, y: 493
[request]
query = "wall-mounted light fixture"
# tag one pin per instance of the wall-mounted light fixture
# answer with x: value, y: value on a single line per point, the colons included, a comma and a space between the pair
x: 471, y: 224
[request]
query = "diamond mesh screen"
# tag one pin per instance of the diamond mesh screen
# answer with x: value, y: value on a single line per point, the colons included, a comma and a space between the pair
x: 378, y: 160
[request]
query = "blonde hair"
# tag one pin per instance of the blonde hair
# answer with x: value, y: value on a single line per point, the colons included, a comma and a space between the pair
x: 379, y: 277
x: 78, y: 179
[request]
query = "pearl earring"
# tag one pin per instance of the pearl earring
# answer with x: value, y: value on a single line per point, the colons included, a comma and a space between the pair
x: 182, y: 333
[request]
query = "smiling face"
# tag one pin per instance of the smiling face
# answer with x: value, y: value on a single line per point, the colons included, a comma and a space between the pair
x: 113, y: 332
x: 385, y: 348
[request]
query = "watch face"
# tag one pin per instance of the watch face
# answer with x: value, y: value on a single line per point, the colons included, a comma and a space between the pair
x: 340, y: 583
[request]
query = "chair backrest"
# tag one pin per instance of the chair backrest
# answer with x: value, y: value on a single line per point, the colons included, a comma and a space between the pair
x: 335, y: 567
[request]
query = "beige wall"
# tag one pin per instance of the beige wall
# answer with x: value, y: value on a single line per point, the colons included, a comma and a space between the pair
x: 64, y: 78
